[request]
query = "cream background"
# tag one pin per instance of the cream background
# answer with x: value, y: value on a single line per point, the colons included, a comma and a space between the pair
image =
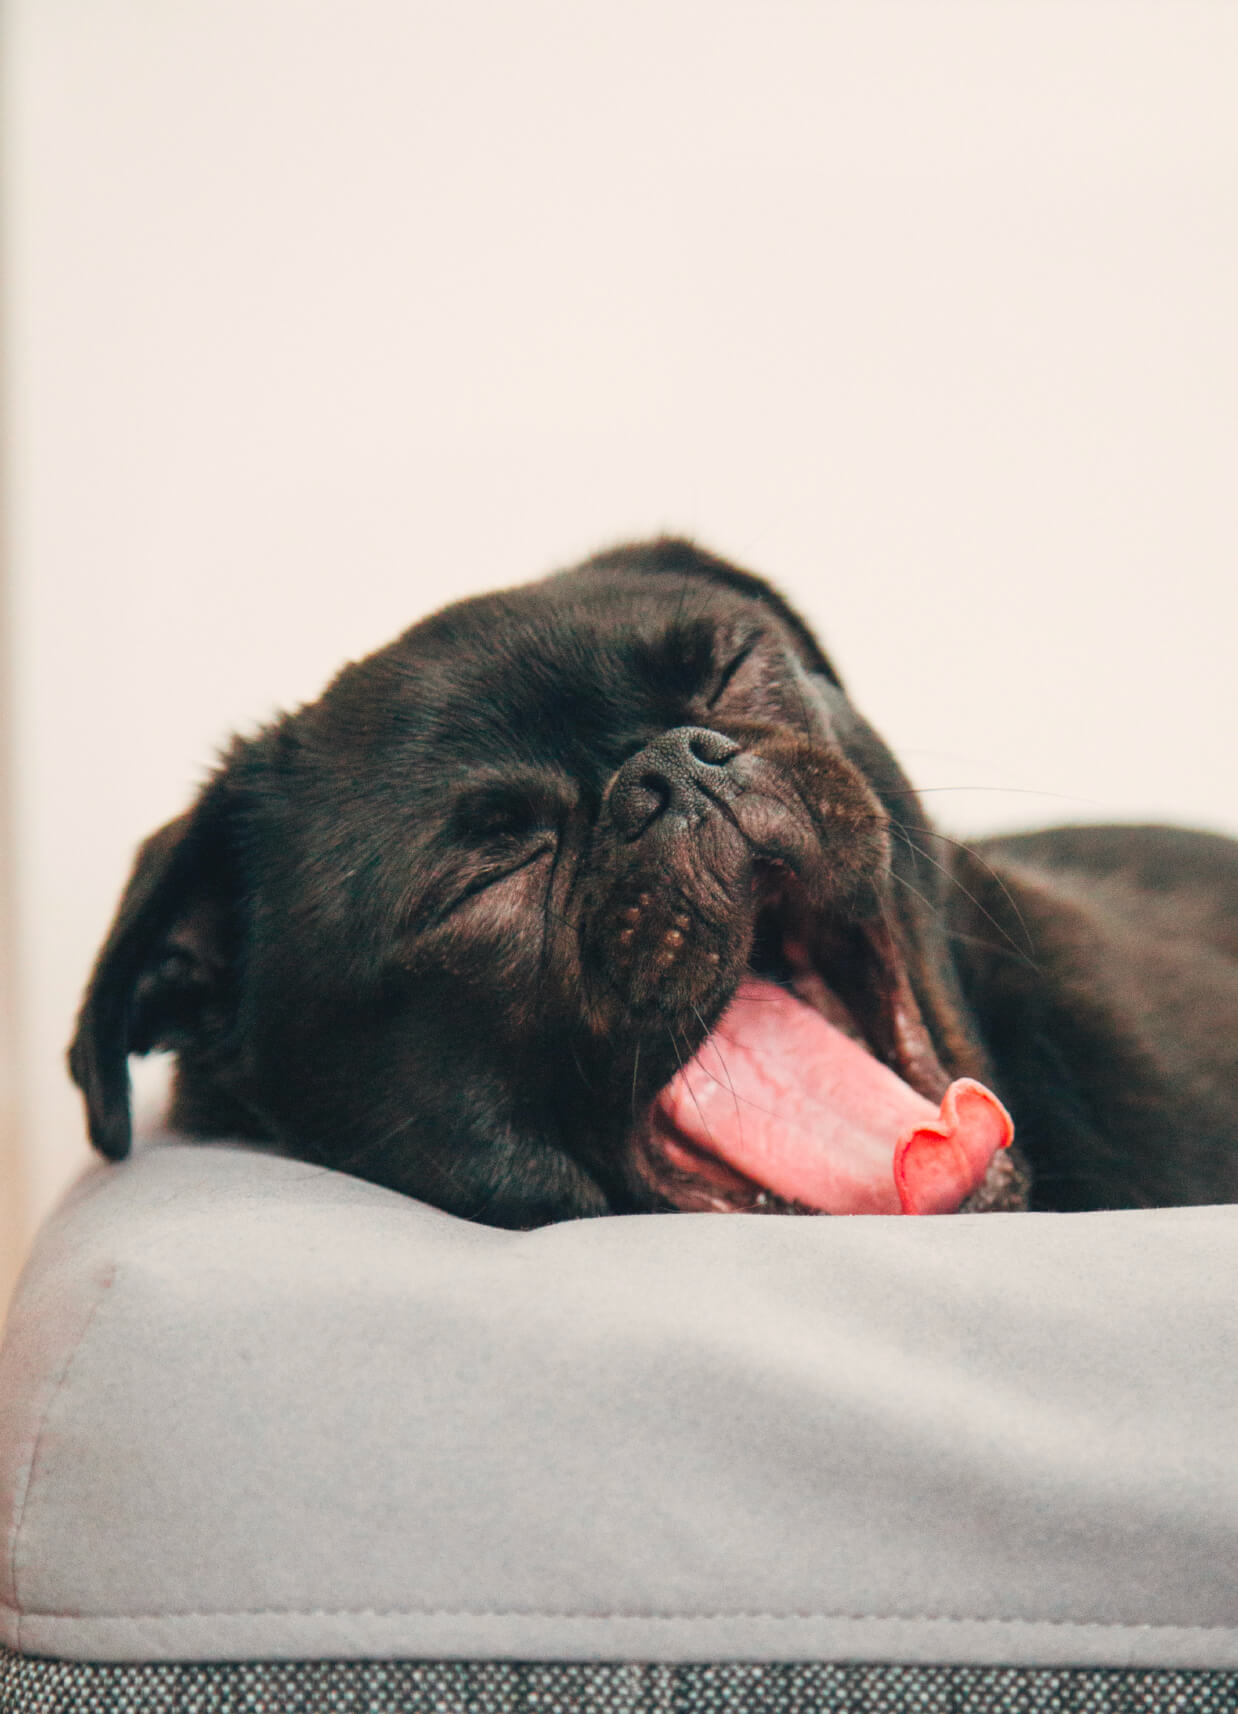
x: 319, y: 314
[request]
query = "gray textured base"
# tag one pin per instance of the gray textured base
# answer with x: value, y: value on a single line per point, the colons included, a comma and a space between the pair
x: 29, y: 1686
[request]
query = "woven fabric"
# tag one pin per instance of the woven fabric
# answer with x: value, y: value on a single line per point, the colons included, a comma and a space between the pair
x: 29, y: 1686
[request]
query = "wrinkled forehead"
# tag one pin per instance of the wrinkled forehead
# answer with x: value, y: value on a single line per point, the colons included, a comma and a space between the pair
x: 567, y: 671
x: 546, y: 689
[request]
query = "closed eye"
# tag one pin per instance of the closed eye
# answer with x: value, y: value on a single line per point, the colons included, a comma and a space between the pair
x: 472, y: 873
x: 496, y: 831
x: 499, y: 839
x: 505, y: 814
x: 731, y: 670
x: 502, y: 861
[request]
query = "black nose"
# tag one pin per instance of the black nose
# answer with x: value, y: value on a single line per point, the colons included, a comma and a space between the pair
x: 671, y: 775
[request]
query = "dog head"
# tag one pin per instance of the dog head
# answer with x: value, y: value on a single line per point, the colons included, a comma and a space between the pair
x: 495, y: 919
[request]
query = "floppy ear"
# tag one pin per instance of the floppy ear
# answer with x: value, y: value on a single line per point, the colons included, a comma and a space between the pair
x: 166, y: 963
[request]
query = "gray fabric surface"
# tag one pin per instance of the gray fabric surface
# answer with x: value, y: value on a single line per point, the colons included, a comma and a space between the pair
x: 505, y: 1687
x: 250, y: 1409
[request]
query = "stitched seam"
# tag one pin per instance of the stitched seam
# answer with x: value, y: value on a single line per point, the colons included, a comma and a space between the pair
x: 642, y: 1618
x: 105, y: 1285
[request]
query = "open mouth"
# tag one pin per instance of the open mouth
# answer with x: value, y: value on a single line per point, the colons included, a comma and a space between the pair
x: 819, y: 1089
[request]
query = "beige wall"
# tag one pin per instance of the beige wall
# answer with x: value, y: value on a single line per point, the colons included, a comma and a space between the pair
x: 322, y: 313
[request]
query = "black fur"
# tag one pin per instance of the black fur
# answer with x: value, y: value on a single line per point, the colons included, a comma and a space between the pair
x: 397, y: 931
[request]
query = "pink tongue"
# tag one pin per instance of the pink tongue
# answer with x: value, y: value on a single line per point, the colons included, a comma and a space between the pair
x: 791, y: 1102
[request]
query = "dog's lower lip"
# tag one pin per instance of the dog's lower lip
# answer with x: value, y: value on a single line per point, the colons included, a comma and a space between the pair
x: 707, y: 1183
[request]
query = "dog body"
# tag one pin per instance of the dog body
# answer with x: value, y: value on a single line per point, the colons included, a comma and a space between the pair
x: 473, y: 924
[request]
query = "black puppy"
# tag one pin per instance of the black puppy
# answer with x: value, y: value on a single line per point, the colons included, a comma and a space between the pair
x: 599, y: 896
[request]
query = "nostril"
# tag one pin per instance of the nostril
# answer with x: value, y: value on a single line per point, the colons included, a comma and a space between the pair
x: 712, y: 748
x: 640, y: 799
x: 674, y: 774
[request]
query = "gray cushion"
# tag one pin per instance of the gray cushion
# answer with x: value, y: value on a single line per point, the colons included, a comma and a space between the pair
x: 249, y: 1408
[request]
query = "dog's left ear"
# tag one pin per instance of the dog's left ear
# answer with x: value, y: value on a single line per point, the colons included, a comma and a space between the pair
x: 166, y: 965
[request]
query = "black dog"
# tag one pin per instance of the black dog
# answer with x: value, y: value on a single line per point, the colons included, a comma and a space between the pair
x: 599, y: 896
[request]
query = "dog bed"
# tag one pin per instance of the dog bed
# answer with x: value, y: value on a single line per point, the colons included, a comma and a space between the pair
x: 291, y: 1437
